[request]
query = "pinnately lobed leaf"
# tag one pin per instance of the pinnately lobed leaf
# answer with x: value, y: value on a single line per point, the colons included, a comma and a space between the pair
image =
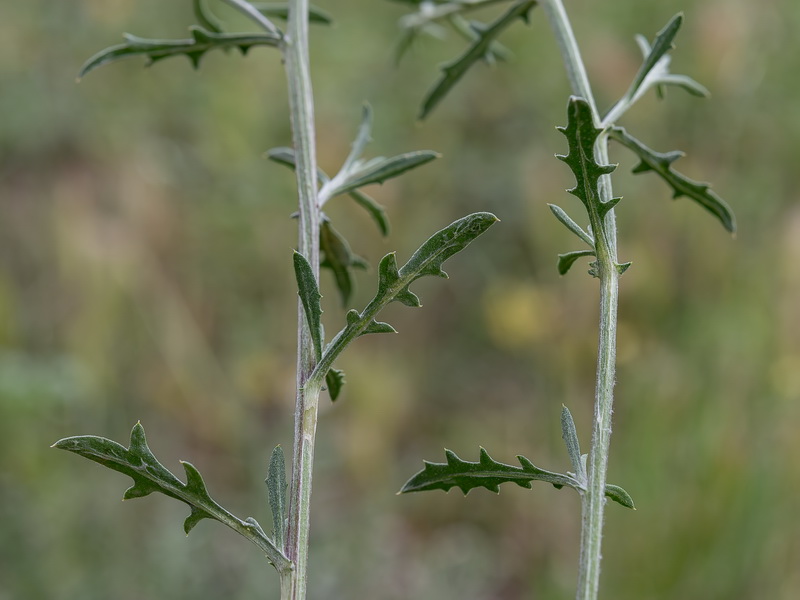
x: 453, y: 71
x: 582, y: 133
x: 661, y: 164
x: 488, y: 473
x: 149, y: 475
x: 393, y: 284
x: 202, y: 41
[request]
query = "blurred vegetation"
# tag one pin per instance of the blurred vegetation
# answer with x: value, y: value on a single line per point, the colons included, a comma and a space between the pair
x: 145, y: 273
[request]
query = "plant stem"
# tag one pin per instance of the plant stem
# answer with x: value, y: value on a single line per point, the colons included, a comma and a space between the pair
x: 594, y: 499
x: 301, y: 105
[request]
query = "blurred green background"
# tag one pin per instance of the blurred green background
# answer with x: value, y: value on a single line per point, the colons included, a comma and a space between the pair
x: 145, y: 274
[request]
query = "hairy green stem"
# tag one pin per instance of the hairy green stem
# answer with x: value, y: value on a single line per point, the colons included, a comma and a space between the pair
x: 301, y: 105
x: 594, y: 499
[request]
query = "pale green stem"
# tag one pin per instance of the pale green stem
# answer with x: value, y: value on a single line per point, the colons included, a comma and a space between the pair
x: 301, y: 105
x: 251, y: 11
x: 594, y: 499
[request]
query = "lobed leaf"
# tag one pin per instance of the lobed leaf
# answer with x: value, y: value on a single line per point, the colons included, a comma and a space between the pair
x: 276, y: 487
x: 661, y: 164
x: 455, y: 70
x: 393, y: 284
x: 490, y: 474
x: 486, y: 473
x: 582, y: 134
x: 149, y: 475
x: 202, y: 41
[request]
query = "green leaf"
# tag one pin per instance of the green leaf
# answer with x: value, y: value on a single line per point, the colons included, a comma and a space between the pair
x: 566, y: 260
x: 617, y: 494
x: 334, y: 379
x: 281, y: 11
x: 149, y: 475
x: 571, y: 225
x: 661, y: 164
x: 285, y: 157
x: 338, y: 257
x: 310, y: 298
x: 205, y: 17
x: 202, y: 41
x: 378, y: 170
x: 455, y: 70
x: 570, y: 437
x: 488, y: 473
x: 393, y: 283
x: 276, y: 487
x: 375, y: 210
x: 354, y: 319
x: 581, y: 134
x: 661, y: 45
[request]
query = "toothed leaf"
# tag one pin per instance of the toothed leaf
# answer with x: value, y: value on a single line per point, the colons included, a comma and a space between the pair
x: 455, y: 70
x: 565, y: 261
x: 681, y: 185
x: 486, y: 473
x: 202, y: 41
x: 393, y: 283
x: 581, y: 134
x: 490, y: 474
x: 149, y: 475
x: 309, y: 296
x: 276, y: 487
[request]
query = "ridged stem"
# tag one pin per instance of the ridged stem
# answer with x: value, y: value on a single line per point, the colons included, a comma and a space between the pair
x: 301, y: 106
x: 594, y: 499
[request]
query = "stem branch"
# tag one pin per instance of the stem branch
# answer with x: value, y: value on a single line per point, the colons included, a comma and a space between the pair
x: 594, y: 499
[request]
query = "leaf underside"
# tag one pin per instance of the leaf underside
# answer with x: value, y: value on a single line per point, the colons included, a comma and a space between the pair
x: 149, y: 475
x: 488, y: 473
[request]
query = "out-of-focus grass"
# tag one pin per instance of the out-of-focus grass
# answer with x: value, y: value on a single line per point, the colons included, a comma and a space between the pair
x: 145, y: 274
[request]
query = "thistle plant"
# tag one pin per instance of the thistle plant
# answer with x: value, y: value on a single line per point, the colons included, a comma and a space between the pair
x: 587, y: 133
x: 319, y: 245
